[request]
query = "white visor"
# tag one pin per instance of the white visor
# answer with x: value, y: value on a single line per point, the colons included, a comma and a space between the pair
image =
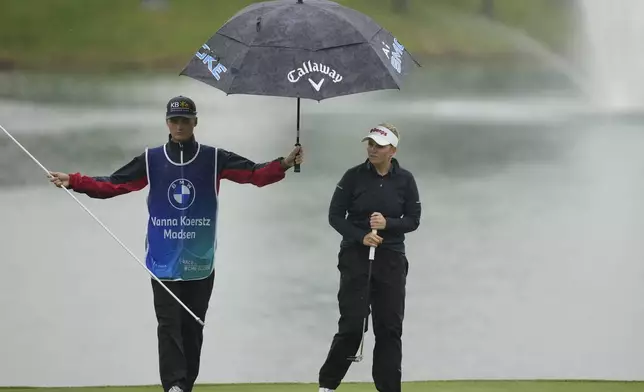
x: 382, y: 136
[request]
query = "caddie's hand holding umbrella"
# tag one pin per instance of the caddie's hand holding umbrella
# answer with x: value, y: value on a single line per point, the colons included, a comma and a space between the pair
x: 312, y: 49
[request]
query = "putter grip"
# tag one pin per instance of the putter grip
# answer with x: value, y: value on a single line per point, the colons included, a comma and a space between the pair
x: 372, y: 249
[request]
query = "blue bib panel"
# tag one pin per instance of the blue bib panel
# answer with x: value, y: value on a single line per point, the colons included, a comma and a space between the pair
x: 182, y: 203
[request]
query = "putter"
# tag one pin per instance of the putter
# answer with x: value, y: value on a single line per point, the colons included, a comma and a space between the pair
x: 372, y: 254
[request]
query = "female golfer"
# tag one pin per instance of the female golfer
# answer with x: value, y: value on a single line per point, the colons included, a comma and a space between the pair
x: 373, y: 205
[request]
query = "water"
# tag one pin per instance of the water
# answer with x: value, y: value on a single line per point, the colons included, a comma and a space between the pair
x: 525, y: 44
x: 611, y: 52
x: 527, y: 263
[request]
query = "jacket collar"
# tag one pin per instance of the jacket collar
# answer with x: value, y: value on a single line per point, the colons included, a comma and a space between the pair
x: 191, y: 144
x: 392, y: 169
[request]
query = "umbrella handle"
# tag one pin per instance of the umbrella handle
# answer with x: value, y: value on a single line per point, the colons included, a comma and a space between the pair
x: 296, y: 167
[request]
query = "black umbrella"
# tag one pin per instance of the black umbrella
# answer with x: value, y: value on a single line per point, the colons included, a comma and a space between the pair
x: 314, y: 49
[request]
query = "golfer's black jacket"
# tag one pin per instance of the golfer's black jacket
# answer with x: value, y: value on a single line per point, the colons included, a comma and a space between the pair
x: 362, y: 191
x: 133, y: 176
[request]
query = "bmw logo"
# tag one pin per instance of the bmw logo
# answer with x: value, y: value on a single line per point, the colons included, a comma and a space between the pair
x: 181, y: 194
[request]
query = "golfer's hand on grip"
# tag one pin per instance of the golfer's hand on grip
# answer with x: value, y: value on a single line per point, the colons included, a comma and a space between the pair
x: 59, y: 179
x: 377, y: 221
x: 372, y: 239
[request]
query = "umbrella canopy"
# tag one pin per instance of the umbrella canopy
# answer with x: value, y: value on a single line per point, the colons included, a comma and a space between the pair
x: 314, y: 49
x: 311, y: 49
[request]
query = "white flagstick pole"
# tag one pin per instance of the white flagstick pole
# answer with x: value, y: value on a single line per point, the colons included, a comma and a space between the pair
x: 105, y: 227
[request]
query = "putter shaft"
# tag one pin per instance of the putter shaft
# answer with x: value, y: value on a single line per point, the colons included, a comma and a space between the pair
x: 358, y: 358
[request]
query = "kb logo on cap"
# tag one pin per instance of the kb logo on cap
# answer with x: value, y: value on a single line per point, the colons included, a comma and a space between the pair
x: 182, y: 104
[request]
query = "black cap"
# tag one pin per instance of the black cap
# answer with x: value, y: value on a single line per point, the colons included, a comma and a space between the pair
x: 181, y: 107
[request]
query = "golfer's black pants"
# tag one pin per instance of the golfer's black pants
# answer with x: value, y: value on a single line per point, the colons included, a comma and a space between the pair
x: 387, y: 300
x: 180, y: 335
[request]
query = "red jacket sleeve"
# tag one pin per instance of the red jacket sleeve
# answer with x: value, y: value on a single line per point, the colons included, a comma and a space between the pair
x: 97, y: 189
x: 241, y: 170
x: 129, y: 178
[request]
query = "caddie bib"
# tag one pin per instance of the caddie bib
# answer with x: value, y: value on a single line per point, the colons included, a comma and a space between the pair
x: 182, y: 204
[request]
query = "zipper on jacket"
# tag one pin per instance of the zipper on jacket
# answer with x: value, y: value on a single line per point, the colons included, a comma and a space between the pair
x: 183, y: 212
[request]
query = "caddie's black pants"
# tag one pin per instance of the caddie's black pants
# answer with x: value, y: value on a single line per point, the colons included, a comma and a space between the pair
x: 180, y: 336
x: 387, y: 300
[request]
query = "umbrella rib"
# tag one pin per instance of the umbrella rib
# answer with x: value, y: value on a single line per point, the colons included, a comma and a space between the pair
x: 339, y: 46
x: 253, y: 45
x: 376, y: 33
x: 288, y: 47
x: 231, y: 38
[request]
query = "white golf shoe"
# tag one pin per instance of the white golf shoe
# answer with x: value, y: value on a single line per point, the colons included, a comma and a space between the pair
x: 326, y: 390
x: 175, y: 389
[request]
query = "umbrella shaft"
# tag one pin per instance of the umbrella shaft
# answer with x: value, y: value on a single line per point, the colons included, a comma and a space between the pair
x: 297, y: 139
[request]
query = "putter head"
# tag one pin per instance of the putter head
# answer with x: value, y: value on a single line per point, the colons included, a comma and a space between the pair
x: 355, y: 358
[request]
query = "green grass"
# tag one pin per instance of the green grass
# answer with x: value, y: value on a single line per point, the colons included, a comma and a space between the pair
x: 97, y: 35
x: 437, y: 386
